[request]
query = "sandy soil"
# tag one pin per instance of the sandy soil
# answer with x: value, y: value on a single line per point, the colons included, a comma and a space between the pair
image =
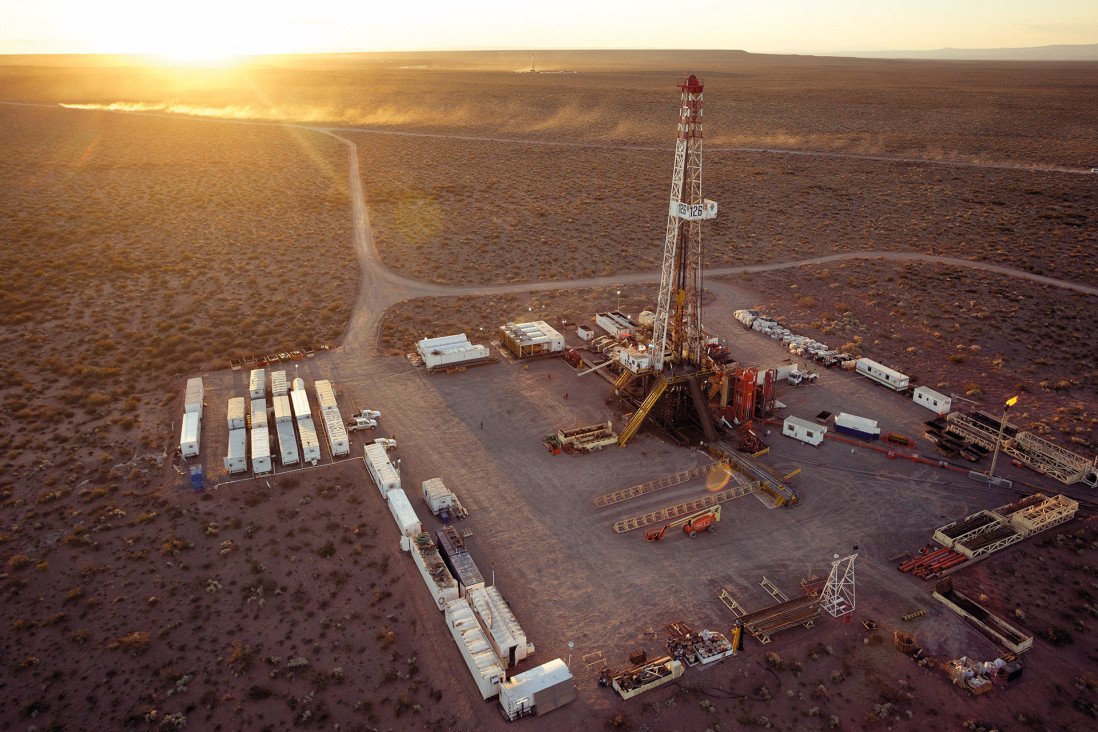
x: 283, y: 601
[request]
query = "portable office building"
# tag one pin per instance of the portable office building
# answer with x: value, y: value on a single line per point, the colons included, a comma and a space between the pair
x: 287, y: 443
x: 236, y: 461
x: 261, y: 448
x: 257, y: 384
x: 299, y: 400
x: 310, y: 445
x: 235, y: 413
x: 337, y: 433
x: 282, y: 409
x: 537, y: 691
x: 401, y: 508
x: 932, y: 400
x: 482, y: 663
x: 192, y: 402
x: 881, y: 374
x: 437, y: 495
x: 506, y: 636
x: 385, y: 476
x: 190, y: 434
x: 803, y: 430
x: 860, y: 427
x: 278, y: 383
x: 325, y: 395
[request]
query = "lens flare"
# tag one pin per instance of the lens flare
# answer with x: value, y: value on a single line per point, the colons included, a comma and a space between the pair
x: 718, y: 478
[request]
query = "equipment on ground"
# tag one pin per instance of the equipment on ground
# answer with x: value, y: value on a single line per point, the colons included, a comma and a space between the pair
x: 692, y: 525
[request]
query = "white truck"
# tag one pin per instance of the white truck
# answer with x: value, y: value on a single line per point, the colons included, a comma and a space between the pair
x: 367, y: 414
x: 361, y: 423
x: 387, y: 442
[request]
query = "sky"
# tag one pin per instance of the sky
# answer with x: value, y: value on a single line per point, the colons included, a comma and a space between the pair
x: 201, y: 29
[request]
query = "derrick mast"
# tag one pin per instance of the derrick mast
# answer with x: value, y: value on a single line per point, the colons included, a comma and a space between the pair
x: 676, y: 330
x: 668, y: 378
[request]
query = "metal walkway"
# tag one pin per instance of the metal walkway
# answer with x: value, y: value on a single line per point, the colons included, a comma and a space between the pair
x: 656, y: 485
x: 664, y: 515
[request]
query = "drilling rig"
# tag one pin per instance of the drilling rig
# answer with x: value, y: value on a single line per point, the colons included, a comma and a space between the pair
x: 666, y: 379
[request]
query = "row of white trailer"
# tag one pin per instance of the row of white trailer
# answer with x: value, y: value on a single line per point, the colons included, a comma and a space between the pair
x: 190, y: 433
x: 293, y: 423
x: 486, y: 632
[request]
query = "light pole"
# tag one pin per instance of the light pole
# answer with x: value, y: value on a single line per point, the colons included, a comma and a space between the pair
x: 619, y: 301
x: 1002, y: 426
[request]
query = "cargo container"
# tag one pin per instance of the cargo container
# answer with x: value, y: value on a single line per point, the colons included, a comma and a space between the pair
x: 537, y: 691
x: 881, y: 374
x: 505, y: 635
x: 299, y: 400
x: 235, y: 413
x: 190, y: 434
x: 337, y: 434
x: 282, y: 409
x: 325, y: 395
x: 261, y: 448
x: 440, y: 583
x: 531, y: 339
x: 310, y: 445
x: 801, y: 429
x: 278, y: 383
x: 932, y: 400
x: 482, y: 663
x: 438, y: 496
x: 860, y: 427
x: 451, y: 547
x: 406, y: 519
x: 384, y: 475
x: 257, y: 384
x: 237, y: 459
x: 287, y: 442
x: 192, y: 402
x: 450, y: 351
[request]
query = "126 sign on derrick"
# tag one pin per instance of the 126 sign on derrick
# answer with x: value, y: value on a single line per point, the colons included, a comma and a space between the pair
x: 694, y: 211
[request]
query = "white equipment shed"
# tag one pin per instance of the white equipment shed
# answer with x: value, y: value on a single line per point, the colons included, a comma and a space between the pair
x: 801, y: 429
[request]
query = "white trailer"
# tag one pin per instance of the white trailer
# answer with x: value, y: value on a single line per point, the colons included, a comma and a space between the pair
x: 299, y: 400
x: 195, y: 393
x: 881, y: 374
x: 235, y: 413
x: 190, y: 434
x: 440, y: 582
x: 338, y: 441
x: 616, y: 323
x: 537, y: 691
x: 482, y: 663
x: 325, y: 395
x: 282, y: 409
x: 257, y: 384
x: 287, y: 443
x: 278, y: 383
x: 940, y: 404
x: 385, y: 476
x: 310, y: 445
x: 450, y: 351
x: 259, y: 411
x: 401, y: 508
x: 503, y: 631
x: 860, y: 427
x: 237, y: 459
x: 801, y: 429
x: 261, y: 448
x: 438, y: 496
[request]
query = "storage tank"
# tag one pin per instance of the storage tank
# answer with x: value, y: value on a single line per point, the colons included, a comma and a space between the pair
x: 299, y: 384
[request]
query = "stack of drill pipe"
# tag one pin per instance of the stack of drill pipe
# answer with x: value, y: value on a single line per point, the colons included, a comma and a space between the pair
x: 965, y: 527
x: 783, y: 615
x: 1026, y: 502
x: 930, y: 564
x: 979, y: 542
